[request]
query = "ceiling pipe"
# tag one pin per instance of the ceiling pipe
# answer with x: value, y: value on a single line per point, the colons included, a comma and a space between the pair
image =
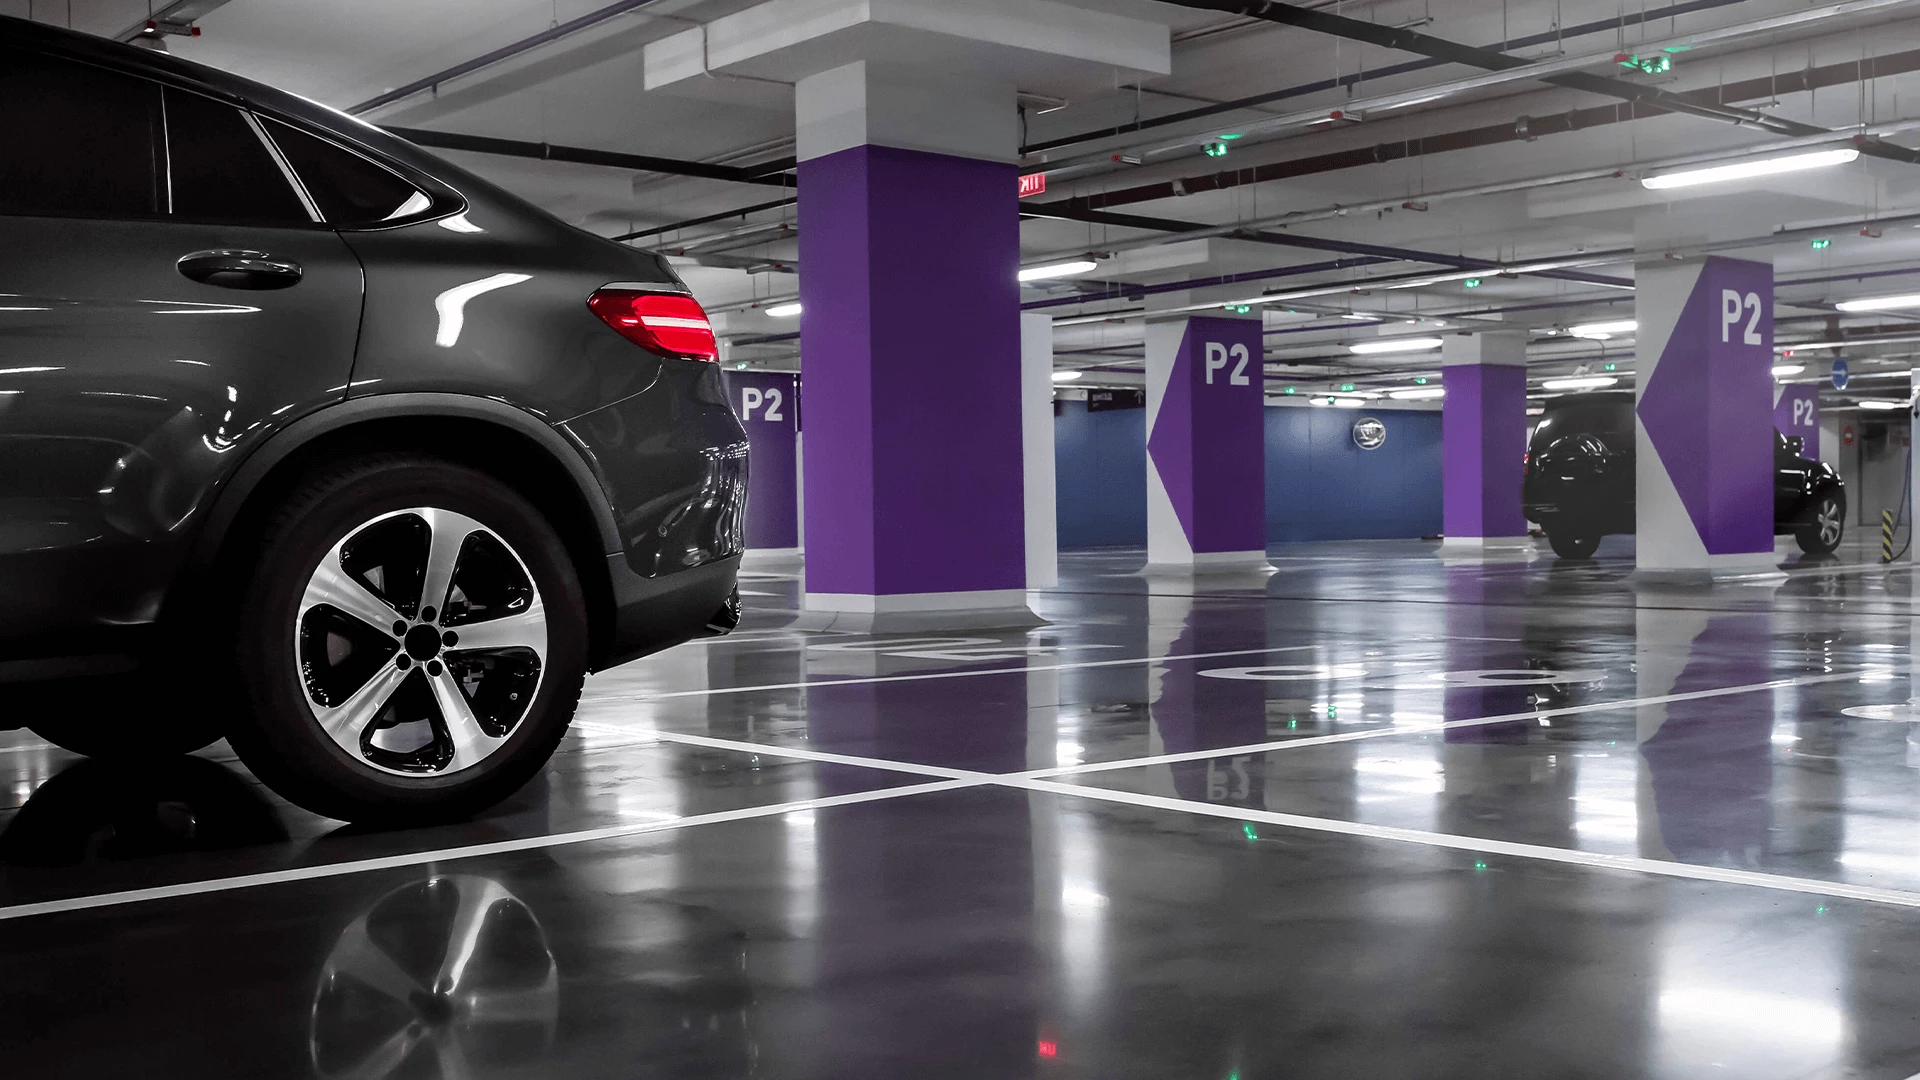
x: 1426, y: 199
x: 1567, y: 71
x: 1124, y: 291
x: 1563, y: 72
x: 659, y: 230
x: 504, y: 52
x: 613, y: 159
x: 1550, y: 37
x: 1762, y: 88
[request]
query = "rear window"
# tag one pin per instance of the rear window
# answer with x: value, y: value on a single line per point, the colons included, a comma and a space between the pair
x: 1612, y: 421
x: 349, y: 190
x: 78, y: 141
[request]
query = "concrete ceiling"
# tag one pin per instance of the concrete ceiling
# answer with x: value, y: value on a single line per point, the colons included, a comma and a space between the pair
x: 587, y: 89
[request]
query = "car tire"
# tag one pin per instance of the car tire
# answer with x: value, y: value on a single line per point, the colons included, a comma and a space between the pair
x: 1572, y: 541
x: 118, y: 717
x: 406, y: 721
x: 1826, y: 525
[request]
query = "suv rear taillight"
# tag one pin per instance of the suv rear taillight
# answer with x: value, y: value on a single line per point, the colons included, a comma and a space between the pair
x: 670, y: 323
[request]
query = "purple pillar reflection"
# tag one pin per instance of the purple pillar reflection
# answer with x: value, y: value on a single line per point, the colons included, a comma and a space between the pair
x: 1483, y: 438
x: 913, y: 462
x: 768, y: 405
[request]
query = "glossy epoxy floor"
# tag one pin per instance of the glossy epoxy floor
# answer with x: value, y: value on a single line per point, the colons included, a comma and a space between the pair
x: 1377, y: 814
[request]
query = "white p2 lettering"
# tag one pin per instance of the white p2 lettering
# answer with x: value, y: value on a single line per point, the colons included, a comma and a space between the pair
x: 750, y: 400
x: 1217, y: 357
x: 1731, y: 305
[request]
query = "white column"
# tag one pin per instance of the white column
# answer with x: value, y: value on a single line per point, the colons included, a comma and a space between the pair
x: 1036, y: 410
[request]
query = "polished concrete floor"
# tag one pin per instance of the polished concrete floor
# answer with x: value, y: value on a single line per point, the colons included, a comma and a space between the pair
x: 1381, y: 813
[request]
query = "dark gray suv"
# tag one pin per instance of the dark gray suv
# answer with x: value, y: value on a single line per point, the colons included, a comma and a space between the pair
x: 311, y: 440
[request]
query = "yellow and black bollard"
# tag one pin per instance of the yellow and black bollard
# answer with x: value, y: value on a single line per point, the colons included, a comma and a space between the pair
x: 1886, y: 536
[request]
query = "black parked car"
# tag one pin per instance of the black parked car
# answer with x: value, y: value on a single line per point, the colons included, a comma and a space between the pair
x: 1580, y: 479
x: 311, y: 440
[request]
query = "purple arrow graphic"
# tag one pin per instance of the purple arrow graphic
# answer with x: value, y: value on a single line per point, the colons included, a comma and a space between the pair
x: 1709, y: 404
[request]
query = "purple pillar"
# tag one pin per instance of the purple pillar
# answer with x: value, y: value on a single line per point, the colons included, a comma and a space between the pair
x: 1796, y: 412
x: 1206, y: 444
x: 768, y: 404
x: 910, y: 338
x: 1704, y: 462
x: 1483, y: 427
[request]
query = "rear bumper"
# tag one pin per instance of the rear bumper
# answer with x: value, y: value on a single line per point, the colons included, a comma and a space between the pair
x: 654, y: 613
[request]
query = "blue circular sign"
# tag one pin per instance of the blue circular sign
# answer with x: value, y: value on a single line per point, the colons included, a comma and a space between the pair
x: 1839, y: 373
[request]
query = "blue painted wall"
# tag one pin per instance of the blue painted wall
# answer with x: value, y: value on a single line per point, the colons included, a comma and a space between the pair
x: 1100, y: 479
x: 1320, y: 486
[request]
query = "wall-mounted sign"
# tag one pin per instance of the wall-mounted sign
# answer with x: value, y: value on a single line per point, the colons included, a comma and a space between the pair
x: 1839, y: 373
x: 1033, y: 184
x: 1369, y: 433
x: 1105, y: 400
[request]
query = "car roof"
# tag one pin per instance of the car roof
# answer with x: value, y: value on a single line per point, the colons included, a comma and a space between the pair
x: 1593, y: 397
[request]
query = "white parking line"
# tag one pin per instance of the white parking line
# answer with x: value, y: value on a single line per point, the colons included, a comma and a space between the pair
x: 1537, y: 852
x: 719, y: 690
x: 502, y: 847
x: 1448, y: 725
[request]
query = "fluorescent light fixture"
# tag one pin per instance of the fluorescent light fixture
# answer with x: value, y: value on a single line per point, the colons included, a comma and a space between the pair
x: 1603, y: 330
x: 1781, y: 371
x: 1536, y: 410
x: 1357, y: 317
x: 1872, y: 403
x: 1875, y: 303
x: 1579, y: 382
x: 784, y: 311
x: 1744, y: 170
x: 1419, y: 393
x: 1395, y: 345
x: 1056, y: 270
x: 1350, y: 402
x: 1066, y: 376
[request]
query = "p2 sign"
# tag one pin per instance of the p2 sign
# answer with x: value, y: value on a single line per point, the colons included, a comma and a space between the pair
x: 1218, y: 356
x: 1732, y: 307
x: 755, y: 398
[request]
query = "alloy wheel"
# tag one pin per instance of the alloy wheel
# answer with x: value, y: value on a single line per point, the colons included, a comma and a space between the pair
x: 1828, y: 521
x: 420, y: 642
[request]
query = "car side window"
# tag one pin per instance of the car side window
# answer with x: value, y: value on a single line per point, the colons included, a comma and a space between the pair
x: 351, y: 191
x: 76, y: 140
x: 219, y: 170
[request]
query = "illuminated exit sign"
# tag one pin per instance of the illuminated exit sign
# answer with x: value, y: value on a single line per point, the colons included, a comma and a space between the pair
x: 1033, y: 184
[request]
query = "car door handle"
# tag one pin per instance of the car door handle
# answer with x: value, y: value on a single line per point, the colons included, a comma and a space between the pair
x: 230, y: 268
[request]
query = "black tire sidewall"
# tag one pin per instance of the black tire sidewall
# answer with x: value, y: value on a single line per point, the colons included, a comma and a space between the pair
x: 278, y: 736
x: 1808, y: 535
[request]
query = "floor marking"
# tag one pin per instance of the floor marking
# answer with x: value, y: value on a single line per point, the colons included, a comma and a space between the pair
x: 717, y: 690
x: 502, y: 847
x: 1538, y: 852
x: 1448, y: 725
x: 825, y: 756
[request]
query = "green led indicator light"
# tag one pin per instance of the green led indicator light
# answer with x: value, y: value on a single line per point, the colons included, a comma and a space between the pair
x: 1472, y: 283
x: 1288, y: 390
x: 1216, y: 149
x: 1239, y: 309
x: 1822, y: 244
x: 1346, y: 387
x: 1479, y: 864
x: 1247, y: 828
x: 1613, y: 367
x: 1421, y: 381
x: 1821, y: 910
x: 1677, y: 49
x: 1657, y: 64
x: 1293, y: 725
x: 1229, y: 136
x: 1331, y: 712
